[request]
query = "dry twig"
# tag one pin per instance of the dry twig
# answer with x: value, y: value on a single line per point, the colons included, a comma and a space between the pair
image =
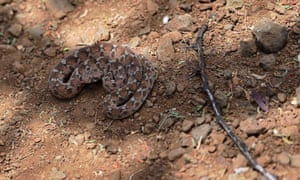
x: 241, y: 145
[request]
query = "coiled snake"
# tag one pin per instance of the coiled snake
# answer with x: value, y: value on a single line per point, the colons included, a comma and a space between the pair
x: 127, y: 77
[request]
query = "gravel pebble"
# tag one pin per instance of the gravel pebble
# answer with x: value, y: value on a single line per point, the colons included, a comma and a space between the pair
x: 134, y: 42
x: 283, y: 158
x: 114, y: 175
x: 270, y: 37
x: 251, y: 127
x: 59, y: 8
x: 149, y: 128
x: 239, y: 161
x: 298, y: 97
x: 18, y: 67
x: 79, y: 139
x: 267, y: 62
x: 281, y: 97
x: 247, y: 48
x: 51, y: 51
x: 221, y: 98
x: 234, y: 4
x: 200, y: 120
x: 187, y: 141
x: 175, y: 154
x: 56, y: 174
x: 264, y: 160
x: 152, y: 7
x: 180, y: 87
x: 165, y: 50
x: 295, y: 160
x: 180, y: 23
x: 187, y: 125
x: 111, y: 148
x: 15, y: 29
x: 170, y: 88
x: 201, y: 132
x: 36, y: 31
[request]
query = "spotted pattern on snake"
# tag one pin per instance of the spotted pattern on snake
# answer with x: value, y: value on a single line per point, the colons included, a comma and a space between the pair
x: 128, y: 78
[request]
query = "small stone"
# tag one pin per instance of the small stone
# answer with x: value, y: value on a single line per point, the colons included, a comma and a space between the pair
x: 239, y: 161
x: 238, y: 91
x: 59, y: 8
x: 228, y: 27
x: 296, y: 28
x: 36, y: 31
x: 295, y: 160
x: 298, y: 97
x: 247, y: 48
x: 280, y: 10
x: 90, y: 126
x: 87, y: 135
x: 197, y: 100
x: 145, y: 30
x: 111, y: 148
x: 180, y: 87
x: 153, y: 35
x: 18, y: 67
x: 163, y: 155
x: 175, y: 36
x: 51, y: 52
x: 148, y: 103
x: 175, y: 154
x: 187, y: 141
x: 135, y: 42
x: 200, y: 120
x: 187, y: 125
x: 79, y: 139
x: 264, y: 160
x: 165, y: 50
x: 227, y: 74
x: 222, y: 98
x: 189, y: 159
x: 270, y: 37
x: 2, y: 142
x: 102, y: 33
x: 217, y: 138
x: 170, y: 88
x: 204, y: 7
x: 180, y: 23
x: 270, y: 6
x: 56, y: 174
x: 281, y: 97
x: 234, y: 4
x: 259, y: 148
x: 114, y: 175
x: 212, y: 149
x: 152, y: 7
x: 186, y: 7
x: 15, y: 29
x: 267, y: 62
x: 91, y: 145
x: 149, y: 128
x: 251, y: 127
x: 156, y: 118
x: 283, y: 158
x: 292, y: 130
x: 58, y: 158
x: 201, y: 132
x: 165, y: 124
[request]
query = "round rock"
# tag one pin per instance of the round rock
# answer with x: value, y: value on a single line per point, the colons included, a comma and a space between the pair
x: 270, y: 37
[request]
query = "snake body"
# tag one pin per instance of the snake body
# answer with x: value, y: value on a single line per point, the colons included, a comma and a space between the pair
x: 127, y: 77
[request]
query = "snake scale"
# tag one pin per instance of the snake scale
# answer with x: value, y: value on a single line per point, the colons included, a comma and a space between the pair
x: 127, y: 77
